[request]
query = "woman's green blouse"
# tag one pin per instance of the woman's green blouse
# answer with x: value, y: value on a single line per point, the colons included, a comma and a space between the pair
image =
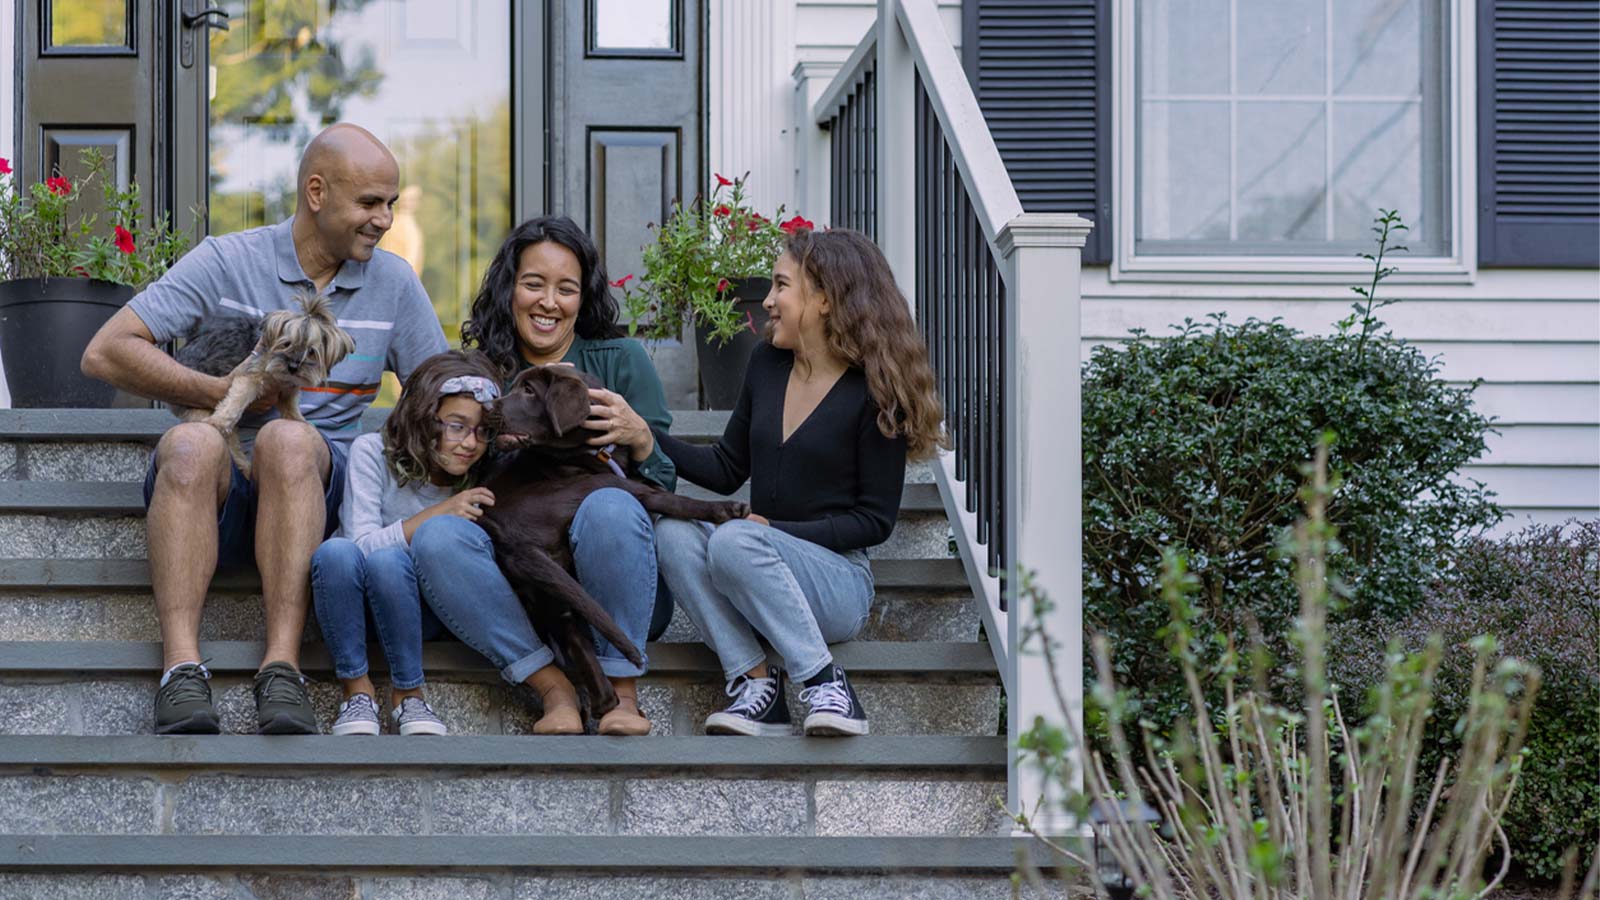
x: 622, y: 365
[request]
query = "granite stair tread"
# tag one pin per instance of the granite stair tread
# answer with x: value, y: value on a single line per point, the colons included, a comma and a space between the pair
x: 644, y: 854
x: 126, y: 498
x: 134, y: 574
x: 447, y: 658
x: 258, y: 754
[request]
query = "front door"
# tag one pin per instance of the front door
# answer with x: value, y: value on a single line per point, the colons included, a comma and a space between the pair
x: 626, y: 114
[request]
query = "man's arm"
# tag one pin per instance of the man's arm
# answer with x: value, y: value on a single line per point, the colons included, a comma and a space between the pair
x: 124, y: 353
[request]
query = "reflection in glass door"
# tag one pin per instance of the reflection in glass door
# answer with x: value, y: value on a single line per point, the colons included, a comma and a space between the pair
x: 431, y: 78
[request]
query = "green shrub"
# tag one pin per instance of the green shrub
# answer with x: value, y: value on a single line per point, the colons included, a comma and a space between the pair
x: 1538, y: 592
x: 1195, y: 439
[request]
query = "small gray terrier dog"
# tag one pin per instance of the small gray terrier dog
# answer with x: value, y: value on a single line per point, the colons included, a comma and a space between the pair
x: 293, y: 350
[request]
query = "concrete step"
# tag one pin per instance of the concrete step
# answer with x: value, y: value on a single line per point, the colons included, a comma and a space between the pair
x: 105, y: 519
x: 517, y: 868
x: 108, y: 687
x: 502, y: 786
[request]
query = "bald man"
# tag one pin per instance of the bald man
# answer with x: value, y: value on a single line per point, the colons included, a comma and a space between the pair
x: 202, y: 511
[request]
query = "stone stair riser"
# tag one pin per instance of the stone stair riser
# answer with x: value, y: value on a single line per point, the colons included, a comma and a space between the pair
x: 127, y: 460
x: 356, y: 801
x: 37, y: 536
x: 676, y: 706
x: 510, y: 886
x: 897, y: 615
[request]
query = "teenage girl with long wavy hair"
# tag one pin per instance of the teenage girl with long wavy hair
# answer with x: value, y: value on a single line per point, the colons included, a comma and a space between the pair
x: 835, y: 400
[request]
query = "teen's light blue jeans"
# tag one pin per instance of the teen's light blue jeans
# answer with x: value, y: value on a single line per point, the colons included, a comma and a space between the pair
x: 351, y: 589
x: 742, y: 579
x: 613, y: 548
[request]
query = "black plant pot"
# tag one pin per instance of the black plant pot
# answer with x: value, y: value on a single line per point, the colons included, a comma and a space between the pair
x: 722, y: 366
x: 44, y: 325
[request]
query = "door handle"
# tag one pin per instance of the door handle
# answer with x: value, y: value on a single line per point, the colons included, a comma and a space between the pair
x: 210, y: 17
x: 203, y: 18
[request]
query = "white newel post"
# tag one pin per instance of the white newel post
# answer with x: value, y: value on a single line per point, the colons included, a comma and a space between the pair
x: 897, y: 127
x: 1044, y: 465
x: 812, y: 145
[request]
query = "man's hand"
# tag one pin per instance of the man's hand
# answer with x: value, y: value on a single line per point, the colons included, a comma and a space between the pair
x: 271, y: 392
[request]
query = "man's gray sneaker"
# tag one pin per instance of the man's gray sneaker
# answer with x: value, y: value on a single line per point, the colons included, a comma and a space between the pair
x: 415, y: 716
x: 183, y: 702
x: 357, y: 715
x: 282, y: 705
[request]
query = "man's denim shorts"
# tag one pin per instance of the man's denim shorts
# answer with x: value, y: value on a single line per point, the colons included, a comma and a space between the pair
x: 236, y: 521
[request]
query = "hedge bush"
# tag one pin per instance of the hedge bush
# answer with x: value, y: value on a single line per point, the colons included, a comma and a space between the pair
x: 1196, y: 439
x: 1538, y: 593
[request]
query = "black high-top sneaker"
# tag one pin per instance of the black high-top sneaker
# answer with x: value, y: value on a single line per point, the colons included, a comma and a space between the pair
x: 834, y: 707
x: 759, y: 708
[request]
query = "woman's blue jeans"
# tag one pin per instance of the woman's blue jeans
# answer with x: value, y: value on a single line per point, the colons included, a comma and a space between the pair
x: 350, y: 589
x: 613, y: 549
x: 741, y: 579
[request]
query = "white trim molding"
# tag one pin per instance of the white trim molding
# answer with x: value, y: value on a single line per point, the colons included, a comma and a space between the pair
x: 1460, y: 138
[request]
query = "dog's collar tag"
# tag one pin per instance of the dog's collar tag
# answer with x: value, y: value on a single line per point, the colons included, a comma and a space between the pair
x: 606, y: 455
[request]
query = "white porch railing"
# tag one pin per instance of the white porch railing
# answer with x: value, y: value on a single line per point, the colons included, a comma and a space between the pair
x: 997, y: 296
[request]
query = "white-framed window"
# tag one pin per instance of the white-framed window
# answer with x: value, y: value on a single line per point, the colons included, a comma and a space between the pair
x: 1263, y: 135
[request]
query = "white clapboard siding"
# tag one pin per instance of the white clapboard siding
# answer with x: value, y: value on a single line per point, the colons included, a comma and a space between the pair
x: 1531, y: 337
x: 755, y: 46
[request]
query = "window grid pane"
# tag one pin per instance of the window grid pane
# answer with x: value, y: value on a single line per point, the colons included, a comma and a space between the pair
x: 1311, y: 150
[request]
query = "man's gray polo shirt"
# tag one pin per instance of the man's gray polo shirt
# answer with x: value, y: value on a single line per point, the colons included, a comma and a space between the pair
x: 380, y: 303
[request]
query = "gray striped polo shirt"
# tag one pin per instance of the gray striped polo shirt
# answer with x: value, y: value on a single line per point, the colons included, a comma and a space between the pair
x: 380, y: 303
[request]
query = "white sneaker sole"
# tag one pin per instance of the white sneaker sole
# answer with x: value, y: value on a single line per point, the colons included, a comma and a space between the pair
x: 834, y: 725
x: 355, y: 728
x: 723, y: 723
x: 424, y: 728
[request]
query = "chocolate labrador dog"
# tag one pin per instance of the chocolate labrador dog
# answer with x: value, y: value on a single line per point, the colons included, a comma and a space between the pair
x: 545, y: 472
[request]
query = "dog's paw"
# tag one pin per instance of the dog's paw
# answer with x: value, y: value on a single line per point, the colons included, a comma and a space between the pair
x: 730, y: 510
x: 220, y: 423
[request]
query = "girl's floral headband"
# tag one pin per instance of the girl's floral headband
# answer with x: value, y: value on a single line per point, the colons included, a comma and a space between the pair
x: 482, y: 389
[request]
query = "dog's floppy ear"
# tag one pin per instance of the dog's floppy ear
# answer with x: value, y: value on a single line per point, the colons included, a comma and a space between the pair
x: 566, y: 402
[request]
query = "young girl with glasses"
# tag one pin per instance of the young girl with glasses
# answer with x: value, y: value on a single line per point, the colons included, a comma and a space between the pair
x: 424, y: 464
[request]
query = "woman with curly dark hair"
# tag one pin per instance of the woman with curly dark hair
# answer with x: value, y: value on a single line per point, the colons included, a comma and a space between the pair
x: 423, y: 466
x: 834, y: 401
x: 545, y: 299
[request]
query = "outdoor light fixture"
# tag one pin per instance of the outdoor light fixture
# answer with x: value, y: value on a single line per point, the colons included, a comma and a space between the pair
x: 1104, y: 816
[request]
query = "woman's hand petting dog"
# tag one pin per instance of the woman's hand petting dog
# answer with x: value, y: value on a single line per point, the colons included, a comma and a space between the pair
x: 617, y: 423
x: 468, y: 504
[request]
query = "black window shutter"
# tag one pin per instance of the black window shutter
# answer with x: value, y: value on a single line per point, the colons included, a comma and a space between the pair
x: 1539, y: 133
x: 1042, y: 72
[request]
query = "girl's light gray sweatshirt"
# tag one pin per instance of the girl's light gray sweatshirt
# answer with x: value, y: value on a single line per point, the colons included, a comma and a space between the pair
x: 375, y: 506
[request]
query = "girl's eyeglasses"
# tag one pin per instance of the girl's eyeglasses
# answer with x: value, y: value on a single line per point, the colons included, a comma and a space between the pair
x: 457, y: 431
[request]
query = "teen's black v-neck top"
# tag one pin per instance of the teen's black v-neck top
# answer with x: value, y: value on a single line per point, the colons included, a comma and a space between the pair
x: 837, y: 480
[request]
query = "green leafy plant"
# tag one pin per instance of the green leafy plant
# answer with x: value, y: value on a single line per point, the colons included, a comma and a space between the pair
x: 1189, y: 440
x: 698, y: 254
x: 1263, y: 799
x: 46, y: 233
x: 1539, y: 591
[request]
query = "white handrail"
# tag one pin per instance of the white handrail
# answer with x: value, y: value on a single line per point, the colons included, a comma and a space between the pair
x: 849, y: 76
x: 977, y: 158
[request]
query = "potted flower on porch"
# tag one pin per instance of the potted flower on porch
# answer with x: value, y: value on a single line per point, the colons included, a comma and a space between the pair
x: 711, y: 264
x: 66, y: 270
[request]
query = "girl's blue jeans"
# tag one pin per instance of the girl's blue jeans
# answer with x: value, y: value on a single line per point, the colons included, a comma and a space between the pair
x: 614, y: 552
x: 351, y: 589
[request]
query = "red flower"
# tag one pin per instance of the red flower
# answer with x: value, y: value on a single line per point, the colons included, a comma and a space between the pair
x: 80, y: 270
x: 622, y: 282
x: 59, y: 186
x: 722, y: 182
x: 757, y: 220
x: 722, y: 210
x: 722, y: 285
x: 5, y: 166
x: 750, y: 321
x: 797, y: 223
x: 124, y: 240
